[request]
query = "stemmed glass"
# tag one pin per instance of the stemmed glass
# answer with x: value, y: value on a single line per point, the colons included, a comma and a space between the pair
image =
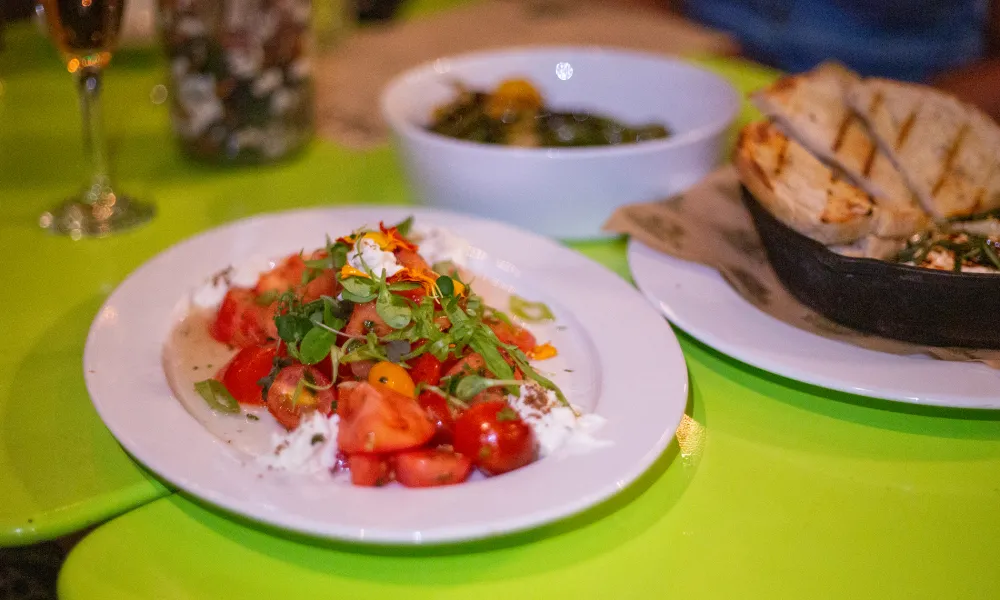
x: 85, y: 32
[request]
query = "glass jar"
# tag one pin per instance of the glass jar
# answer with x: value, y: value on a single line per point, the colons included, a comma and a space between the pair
x: 241, y: 83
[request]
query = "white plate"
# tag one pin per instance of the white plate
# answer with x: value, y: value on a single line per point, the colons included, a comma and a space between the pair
x: 698, y: 300
x: 633, y: 374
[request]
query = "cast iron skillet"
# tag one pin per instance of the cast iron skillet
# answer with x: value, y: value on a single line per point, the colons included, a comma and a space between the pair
x: 934, y: 308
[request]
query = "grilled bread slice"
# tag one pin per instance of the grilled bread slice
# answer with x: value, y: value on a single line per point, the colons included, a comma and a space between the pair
x: 812, y: 108
x: 948, y: 151
x: 799, y: 189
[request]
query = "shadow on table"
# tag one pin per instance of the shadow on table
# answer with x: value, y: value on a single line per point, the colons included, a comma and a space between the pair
x: 67, y: 470
x: 608, y: 525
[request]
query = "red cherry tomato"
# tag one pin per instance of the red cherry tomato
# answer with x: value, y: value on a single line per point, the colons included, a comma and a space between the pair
x: 369, y: 470
x: 241, y: 322
x: 425, y: 369
x: 243, y: 371
x: 431, y: 467
x: 286, y: 407
x: 437, y: 410
x: 379, y: 420
x: 495, y: 438
x: 511, y: 334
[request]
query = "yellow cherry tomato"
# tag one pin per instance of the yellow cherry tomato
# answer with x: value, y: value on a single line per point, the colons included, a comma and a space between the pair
x: 392, y: 376
x: 517, y: 95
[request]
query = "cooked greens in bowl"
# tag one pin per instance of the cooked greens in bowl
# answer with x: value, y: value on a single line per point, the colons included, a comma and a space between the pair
x: 515, y: 114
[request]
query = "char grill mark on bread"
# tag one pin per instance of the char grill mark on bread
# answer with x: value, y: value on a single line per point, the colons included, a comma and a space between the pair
x: 812, y: 109
x: 799, y: 189
x: 947, y: 151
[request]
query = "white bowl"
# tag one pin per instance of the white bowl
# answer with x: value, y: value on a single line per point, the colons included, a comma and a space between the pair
x: 562, y: 192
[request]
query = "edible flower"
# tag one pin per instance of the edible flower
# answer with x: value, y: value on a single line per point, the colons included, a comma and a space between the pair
x: 387, y: 238
x: 542, y: 352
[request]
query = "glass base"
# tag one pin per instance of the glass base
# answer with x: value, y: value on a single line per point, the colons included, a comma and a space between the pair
x: 112, y: 214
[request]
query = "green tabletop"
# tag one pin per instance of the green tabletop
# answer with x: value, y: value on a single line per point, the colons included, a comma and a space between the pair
x: 777, y: 489
x: 60, y: 469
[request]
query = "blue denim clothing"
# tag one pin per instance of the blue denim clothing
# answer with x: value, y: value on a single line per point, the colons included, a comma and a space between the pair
x: 903, y: 39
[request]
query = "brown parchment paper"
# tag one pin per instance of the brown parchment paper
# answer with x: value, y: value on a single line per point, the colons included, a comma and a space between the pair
x: 350, y: 76
x: 708, y: 224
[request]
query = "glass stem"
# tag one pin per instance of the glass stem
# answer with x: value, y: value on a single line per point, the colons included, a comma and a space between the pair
x: 94, y: 142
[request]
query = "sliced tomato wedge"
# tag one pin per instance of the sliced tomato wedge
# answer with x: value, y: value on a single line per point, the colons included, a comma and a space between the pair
x: 287, y: 406
x: 241, y: 322
x: 431, y: 467
x: 364, y: 318
x: 425, y: 369
x: 379, y: 420
x: 241, y: 374
x: 511, y: 334
x: 437, y: 410
x: 369, y: 470
x: 284, y: 276
x: 411, y: 260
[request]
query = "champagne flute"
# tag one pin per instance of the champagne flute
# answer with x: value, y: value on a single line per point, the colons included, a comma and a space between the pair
x: 85, y: 32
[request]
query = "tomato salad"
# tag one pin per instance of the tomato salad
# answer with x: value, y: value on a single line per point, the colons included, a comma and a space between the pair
x: 416, y: 378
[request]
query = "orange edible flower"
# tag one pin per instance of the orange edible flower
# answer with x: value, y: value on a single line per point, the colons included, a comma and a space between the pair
x: 394, y: 239
x: 542, y: 352
x: 349, y: 271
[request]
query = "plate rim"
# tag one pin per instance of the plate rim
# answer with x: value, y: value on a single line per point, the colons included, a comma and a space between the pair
x: 187, y: 482
x: 744, y: 356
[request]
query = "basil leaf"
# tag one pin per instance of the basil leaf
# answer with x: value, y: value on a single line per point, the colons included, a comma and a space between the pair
x: 394, y: 310
x: 338, y: 254
x: 445, y: 285
x: 405, y: 225
x: 217, y: 396
x: 530, y: 311
x: 335, y: 314
x: 292, y: 328
x: 267, y: 298
x: 471, y: 386
x: 359, y: 289
x: 485, y: 342
x: 403, y: 286
x: 316, y: 345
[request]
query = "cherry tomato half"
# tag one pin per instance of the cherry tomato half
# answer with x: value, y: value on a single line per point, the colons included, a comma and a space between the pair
x: 495, y: 438
x: 425, y: 369
x: 288, y: 408
x: 379, y: 420
x: 431, y: 467
x: 396, y: 378
x: 243, y: 371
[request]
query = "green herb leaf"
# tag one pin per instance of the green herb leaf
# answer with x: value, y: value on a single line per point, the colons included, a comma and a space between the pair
x: 267, y: 298
x: 507, y: 414
x: 403, y: 286
x: 530, y: 311
x: 445, y: 285
x: 292, y: 327
x: 471, y: 386
x: 338, y: 254
x: 217, y: 396
x: 316, y: 345
x: 394, y: 310
x: 359, y: 289
x: 405, y: 225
